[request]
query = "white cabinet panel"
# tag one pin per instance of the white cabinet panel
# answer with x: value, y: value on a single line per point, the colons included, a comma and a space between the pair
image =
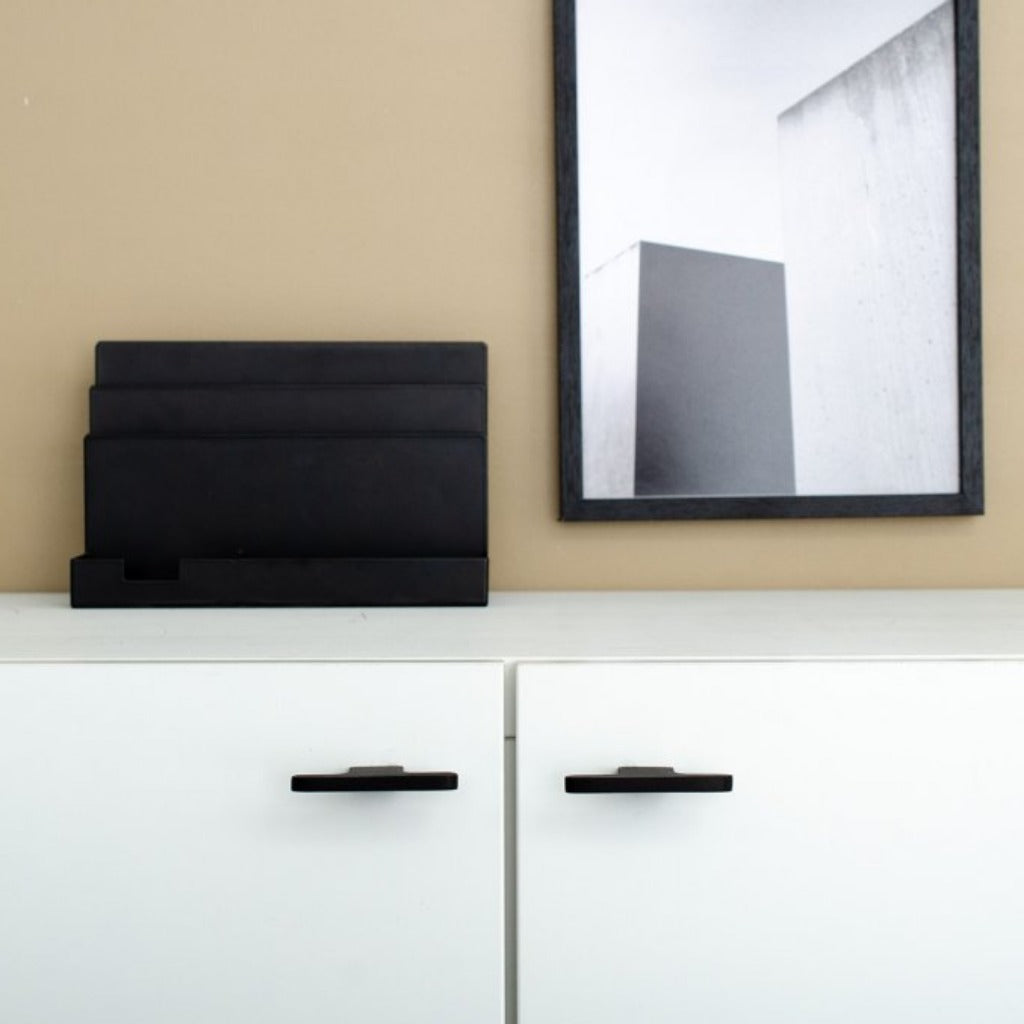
x: 868, y: 865
x: 155, y: 866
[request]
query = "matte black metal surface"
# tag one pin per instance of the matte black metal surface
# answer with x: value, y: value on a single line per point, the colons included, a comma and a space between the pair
x: 155, y: 500
x: 359, y: 409
x: 177, y: 363
x: 385, y: 778
x: 285, y: 473
x: 283, y: 583
x: 648, y: 780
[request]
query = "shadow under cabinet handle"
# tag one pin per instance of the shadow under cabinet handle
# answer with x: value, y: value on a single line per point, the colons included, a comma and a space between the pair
x: 648, y: 780
x: 374, y: 779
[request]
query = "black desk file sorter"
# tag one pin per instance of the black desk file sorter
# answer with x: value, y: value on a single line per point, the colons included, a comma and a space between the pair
x: 285, y: 473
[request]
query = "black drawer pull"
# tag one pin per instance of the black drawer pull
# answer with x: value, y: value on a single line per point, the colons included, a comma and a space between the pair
x: 374, y: 779
x: 648, y: 780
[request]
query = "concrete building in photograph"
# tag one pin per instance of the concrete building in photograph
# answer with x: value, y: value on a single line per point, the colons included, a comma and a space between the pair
x: 713, y: 404
x: 834, y: 372
x: 685, y: 380
x: 609, y: 310
x: 869, y: 187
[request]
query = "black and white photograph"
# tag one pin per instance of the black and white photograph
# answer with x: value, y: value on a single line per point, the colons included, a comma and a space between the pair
x: 768, y: 258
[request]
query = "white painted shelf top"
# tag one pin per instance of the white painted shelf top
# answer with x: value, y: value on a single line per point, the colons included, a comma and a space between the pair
x: 519, y: 626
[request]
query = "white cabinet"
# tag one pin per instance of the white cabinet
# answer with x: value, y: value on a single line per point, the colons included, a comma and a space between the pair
x: 867, y: 865
x: 156, y: 867
x: 864, y: 868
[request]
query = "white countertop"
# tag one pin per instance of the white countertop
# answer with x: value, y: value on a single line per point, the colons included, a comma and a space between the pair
x: 535, y: 626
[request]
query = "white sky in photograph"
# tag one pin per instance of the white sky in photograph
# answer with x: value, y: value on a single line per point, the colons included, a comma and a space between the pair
x: 678, y: 112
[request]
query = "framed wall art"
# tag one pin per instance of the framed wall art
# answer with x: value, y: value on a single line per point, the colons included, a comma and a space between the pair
x: 768, y: 258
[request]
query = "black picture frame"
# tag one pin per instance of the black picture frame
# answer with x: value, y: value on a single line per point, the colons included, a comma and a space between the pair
x: 966, y: 500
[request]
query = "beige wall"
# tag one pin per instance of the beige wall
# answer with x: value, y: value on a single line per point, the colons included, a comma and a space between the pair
x: 382, y: 169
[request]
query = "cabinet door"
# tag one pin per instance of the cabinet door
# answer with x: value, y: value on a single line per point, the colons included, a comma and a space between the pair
x: 867, y: 865
x: 156, y: 866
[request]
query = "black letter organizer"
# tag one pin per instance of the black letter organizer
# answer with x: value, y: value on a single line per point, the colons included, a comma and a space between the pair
x: 285, y: 473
